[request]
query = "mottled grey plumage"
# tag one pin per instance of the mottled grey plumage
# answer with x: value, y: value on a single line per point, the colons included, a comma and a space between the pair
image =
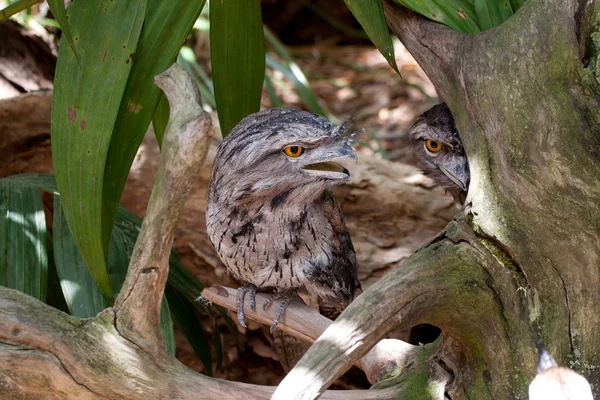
x: 270, y: 217
x: 448, y: 167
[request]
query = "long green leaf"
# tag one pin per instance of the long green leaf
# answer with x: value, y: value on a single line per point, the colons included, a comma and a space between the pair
x: 294, y: 74
x: 160, y: 119
x: 60, y: 14
x: 275, y: 100
x: 55, y: 295
x: 45, y: 182
x: 459, y: 15
x: 23, y: 254
x: 166, y: 326
x: 516, y: 4
x: 166, y: 25
x: 184, y: 316
x: 492, y: 13
x: 302, y: 89
x: 83, y: 296
x: 237, y: 52
x: 85, y: 105
x: 369, y: 14
x: 16, y: 7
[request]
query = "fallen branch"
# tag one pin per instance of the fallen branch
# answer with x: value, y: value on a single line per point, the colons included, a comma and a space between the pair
x: 307, y: 324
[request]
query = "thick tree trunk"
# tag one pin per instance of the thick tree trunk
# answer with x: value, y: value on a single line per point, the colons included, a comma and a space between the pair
x: 521, y: 261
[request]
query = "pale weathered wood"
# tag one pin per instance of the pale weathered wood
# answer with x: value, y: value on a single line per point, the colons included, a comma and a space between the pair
x: 307, y: 324
x: 185, y: 144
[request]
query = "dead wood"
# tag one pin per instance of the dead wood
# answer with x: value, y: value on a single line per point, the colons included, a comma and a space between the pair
x: 307, y: 324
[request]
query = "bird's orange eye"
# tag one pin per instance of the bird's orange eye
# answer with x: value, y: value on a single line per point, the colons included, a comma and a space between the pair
x: 433, y: 145
x: 293, y: 151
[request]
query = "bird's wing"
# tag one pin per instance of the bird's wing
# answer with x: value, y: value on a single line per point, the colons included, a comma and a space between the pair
x: 342, y: 272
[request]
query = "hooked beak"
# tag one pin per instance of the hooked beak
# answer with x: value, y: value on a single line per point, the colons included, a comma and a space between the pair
x: 322, y: 161
x: 459, y: 174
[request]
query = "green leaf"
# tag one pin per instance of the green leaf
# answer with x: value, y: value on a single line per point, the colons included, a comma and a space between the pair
x: 369, y: 14
x: 294, y: 74
x: 166, y: 326
x: 82, y: 295
x: 275, y: 100
x: 23, y: 254
x: 161, y: 119
x: 516, y: 4
x: 184, y: 316
x: 459, y: 15
x: 303, y: 90
x: 55, y: 296
x: 45, y: 182
x: 237, y: 52
x: 60, y: 14
x: 84, y: 111
x: 16, y: 7
x: 218, y: 343
x: 492, y: 12
x: 166, y: 25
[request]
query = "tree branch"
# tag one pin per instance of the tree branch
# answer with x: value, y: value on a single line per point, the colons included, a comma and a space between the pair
x: 445, y: 283
x: 185, y: 144
x: 305, y: 323
x: 45, y: 353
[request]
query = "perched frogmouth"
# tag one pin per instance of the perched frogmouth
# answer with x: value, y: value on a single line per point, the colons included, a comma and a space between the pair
x: 439, y: 150
x: 269, y: 214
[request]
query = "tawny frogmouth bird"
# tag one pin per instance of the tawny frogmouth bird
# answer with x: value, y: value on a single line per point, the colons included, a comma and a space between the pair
x: 440, y: 151
x: 269, y: 214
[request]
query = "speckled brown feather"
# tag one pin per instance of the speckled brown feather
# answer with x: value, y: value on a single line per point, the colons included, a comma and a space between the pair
x: 272, y: 224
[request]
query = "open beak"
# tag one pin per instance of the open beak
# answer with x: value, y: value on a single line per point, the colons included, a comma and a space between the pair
x: 459, y: 174
x: 322, y: 162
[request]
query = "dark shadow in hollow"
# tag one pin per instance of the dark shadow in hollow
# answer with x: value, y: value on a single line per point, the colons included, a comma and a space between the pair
x: 423, y: 334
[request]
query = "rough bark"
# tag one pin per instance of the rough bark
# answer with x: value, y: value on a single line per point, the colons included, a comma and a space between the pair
x: 521, y: 261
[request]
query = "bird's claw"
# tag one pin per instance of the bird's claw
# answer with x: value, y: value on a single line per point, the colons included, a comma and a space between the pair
x: 286, y: 298
x: 241, y: 293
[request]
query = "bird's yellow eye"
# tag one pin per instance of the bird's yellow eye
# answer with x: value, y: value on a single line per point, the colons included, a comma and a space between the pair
x: 293, y: 151
x: 433, y: 145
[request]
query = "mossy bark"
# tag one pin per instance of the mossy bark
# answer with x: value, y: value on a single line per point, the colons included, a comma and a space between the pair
x: 521, y: 261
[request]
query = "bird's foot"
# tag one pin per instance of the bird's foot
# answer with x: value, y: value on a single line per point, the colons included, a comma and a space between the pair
x: 286, y: 297
x: 241, y: 293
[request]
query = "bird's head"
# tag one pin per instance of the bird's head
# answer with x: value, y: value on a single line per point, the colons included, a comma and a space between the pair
x: 439, y: 150
x: 279, y: 151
